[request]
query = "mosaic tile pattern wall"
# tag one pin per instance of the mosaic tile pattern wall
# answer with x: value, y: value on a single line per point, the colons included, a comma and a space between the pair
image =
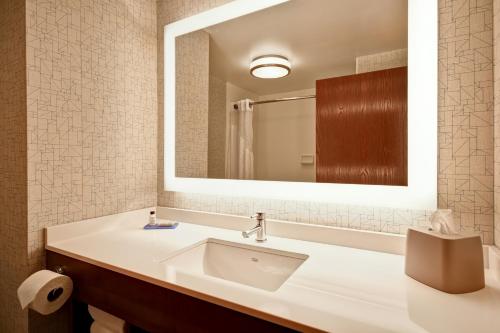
x: 170, y: 11
x: 13, y: 161
x: 384, y: 60
x: 465, y: 132
x: 216, y: 127
x: 354, y: 217
x: 466, y: 113
x: 496, y: 52
x: 191, y: 118
x: 92, y: 111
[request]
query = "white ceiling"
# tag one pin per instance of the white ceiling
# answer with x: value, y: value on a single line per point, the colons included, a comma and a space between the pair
x: 321, y: 38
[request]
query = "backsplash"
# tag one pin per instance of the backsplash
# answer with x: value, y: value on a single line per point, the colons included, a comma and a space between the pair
x: 354, y: 217
x: 465, y: 180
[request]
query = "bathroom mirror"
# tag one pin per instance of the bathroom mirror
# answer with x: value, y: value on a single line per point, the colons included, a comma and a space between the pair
x: 321, y: 106
x: 321, y: 100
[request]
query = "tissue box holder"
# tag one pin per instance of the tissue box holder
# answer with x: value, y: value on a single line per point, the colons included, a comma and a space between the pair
x: 450, y: 263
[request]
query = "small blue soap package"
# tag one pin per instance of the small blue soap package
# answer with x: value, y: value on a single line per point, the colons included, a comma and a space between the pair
x: 162, y: 225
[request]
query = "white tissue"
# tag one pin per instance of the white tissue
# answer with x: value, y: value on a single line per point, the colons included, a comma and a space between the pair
x: 105, y: 322
x: 97, y: 327
x: 442, y: 222
x: 45, y: 291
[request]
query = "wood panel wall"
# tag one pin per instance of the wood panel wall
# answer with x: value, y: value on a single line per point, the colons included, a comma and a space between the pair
x: 361, y: 128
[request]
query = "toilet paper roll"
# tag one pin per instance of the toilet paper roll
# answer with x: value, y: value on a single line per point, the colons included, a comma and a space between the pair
x: 45, y: 291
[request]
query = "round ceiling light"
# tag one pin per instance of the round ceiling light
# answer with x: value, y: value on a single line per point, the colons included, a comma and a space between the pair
x: 270, y: 67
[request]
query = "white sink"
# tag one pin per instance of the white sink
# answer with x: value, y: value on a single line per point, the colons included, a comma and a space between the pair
x: 250, y: 265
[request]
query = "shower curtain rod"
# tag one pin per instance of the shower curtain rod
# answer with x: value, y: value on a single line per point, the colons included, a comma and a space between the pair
x: 282, y: 99
x: 285, y: 99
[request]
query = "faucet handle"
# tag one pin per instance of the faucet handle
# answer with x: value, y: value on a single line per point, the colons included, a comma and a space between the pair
x: 259, y: 229
x: 258, y: 216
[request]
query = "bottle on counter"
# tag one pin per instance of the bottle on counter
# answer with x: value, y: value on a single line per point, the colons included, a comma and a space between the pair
x: 152, y: 217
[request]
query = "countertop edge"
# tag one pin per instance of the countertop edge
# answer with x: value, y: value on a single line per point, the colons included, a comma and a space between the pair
x: 192, y: 293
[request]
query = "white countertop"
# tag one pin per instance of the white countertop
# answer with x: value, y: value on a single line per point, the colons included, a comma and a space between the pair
x: 337, y: 289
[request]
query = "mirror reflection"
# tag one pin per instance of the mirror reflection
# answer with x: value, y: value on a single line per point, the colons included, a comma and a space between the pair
x: 278, y: 95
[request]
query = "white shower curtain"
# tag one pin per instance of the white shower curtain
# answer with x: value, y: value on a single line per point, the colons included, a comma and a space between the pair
x: 239, y: 150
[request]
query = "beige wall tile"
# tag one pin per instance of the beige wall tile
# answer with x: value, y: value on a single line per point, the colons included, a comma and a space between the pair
x: 91, y: 114
x: 466, y: 113
x: 192, y: 103
x: 13, y: 163
x: 216, y: 128
x: 380, y: 61
x: 496, y: 63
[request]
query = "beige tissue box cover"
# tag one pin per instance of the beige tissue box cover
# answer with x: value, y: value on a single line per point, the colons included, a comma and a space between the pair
x: 450, y: 263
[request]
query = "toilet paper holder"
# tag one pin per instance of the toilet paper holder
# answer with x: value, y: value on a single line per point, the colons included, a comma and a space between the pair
x: 59, y: 270
x: 56, y: 292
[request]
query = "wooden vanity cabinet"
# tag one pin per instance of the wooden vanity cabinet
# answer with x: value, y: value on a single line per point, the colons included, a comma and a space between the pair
x: 151, y: 307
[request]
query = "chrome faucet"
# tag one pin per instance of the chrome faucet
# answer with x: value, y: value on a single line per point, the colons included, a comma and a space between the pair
x: 260, y: 228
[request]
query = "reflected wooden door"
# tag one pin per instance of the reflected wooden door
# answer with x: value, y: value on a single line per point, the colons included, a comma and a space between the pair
x: 361, y: 128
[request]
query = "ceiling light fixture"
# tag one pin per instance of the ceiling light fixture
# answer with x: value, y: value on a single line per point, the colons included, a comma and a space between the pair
x: 270, y: 67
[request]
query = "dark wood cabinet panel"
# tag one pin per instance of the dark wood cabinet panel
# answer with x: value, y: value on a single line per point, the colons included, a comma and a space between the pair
x: 154, y: 308
x: 361, y: 128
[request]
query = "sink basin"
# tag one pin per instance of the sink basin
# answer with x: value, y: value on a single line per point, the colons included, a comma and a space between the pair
x: 250, y: 265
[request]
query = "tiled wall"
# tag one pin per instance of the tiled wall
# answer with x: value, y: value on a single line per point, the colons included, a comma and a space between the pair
x: 171, y: 11
x: 216, y: 127
x: 466, y: 113
x: 496, y: 51
x: 465, y: 133
x: 92, y: 111
x: 191, y: 135
x: 13, y: 160
x: 384, y: 60
x: 355, y: 217
x: 201, y: 110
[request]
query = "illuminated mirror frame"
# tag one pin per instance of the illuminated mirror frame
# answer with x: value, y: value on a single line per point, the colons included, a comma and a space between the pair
x: 421, y: 192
